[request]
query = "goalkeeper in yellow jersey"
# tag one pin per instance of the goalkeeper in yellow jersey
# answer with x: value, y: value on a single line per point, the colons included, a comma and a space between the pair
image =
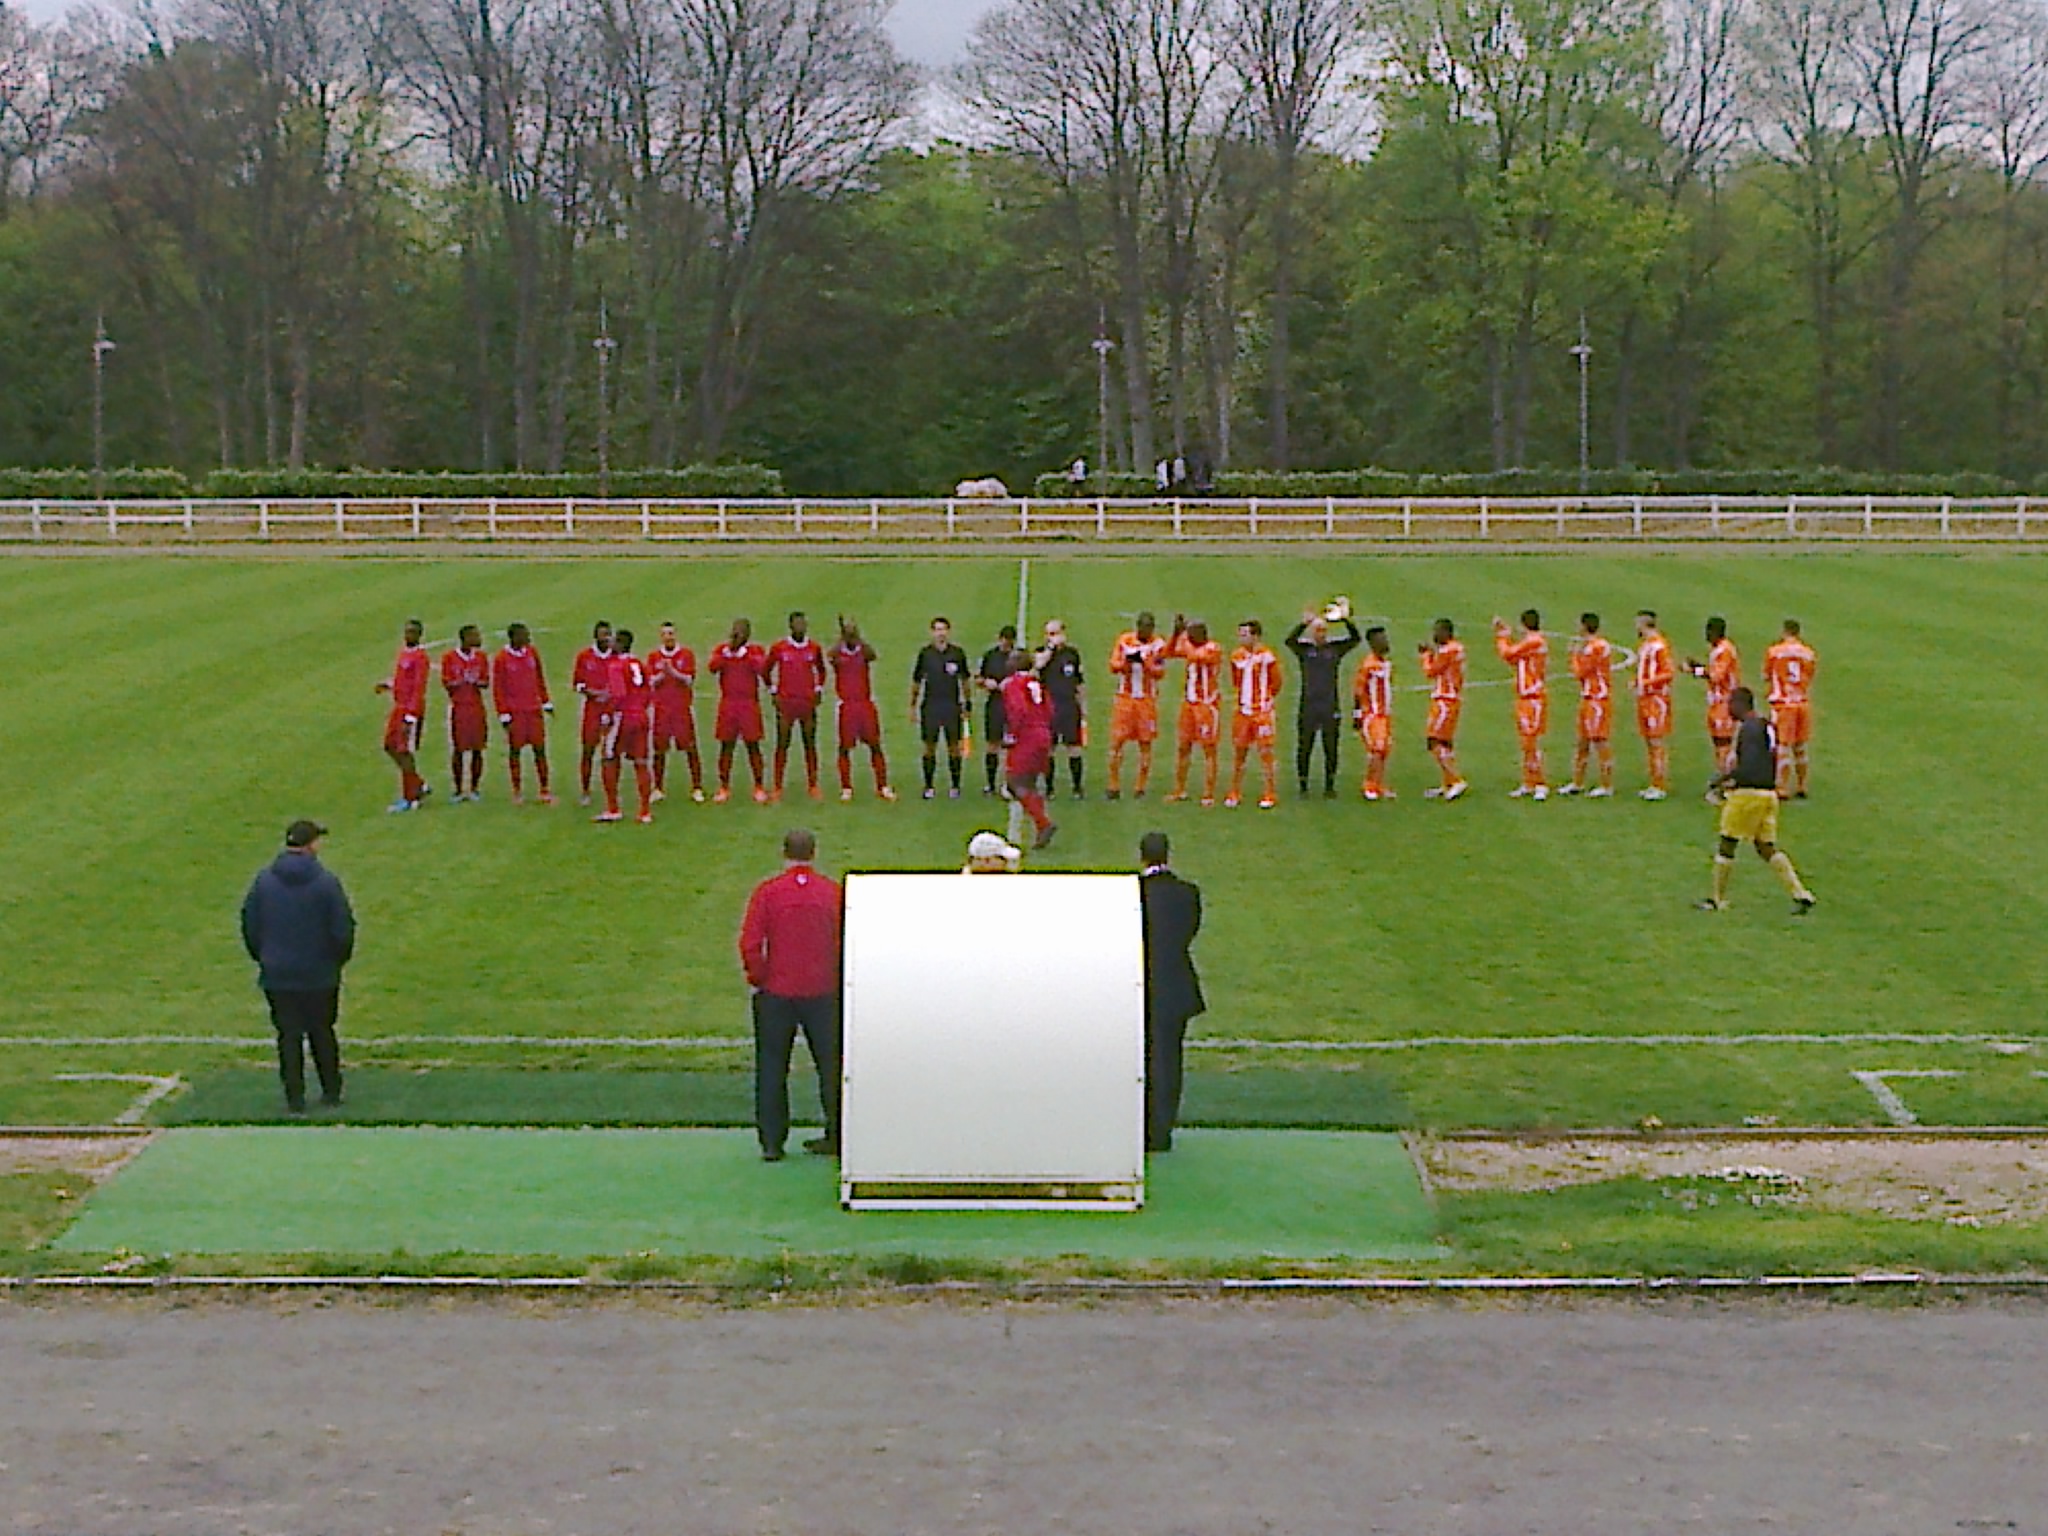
x: 1750, y: 811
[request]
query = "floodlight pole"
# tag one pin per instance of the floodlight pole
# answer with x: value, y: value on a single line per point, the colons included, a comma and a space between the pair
x: 1103, y: 347
x: 605, y: 346
x: 1584, y: 353
x: 101, y: 346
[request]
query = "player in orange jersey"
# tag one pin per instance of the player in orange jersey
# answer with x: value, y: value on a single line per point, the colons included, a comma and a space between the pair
x: 1593, y: 666
x: 1789, y: 668
x: 1372, y: 698
x: 1255, y: 683
x: 1529, y: 654
x: 1722, y: 673
x: 1201, y: 705
x: 1653, y: 702
x: 1137, y: 662
x: 1443, y: 663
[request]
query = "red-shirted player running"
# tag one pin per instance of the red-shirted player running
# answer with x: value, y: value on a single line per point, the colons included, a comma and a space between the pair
x: 632, y: 724
x: 520, y: 685
x: 796, y: 677
x: 1027, y: 715
x: 673, y: 667
x: 466, y: 674
x: 739, y: 665
x: 860, y: 723
x: 408, y: 689
x: 592, y: 679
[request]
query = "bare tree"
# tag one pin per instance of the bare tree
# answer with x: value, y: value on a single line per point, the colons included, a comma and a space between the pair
x: 2010, y: 108
x: 50, y: 79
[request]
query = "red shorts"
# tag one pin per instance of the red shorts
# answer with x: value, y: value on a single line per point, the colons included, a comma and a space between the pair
x: 1133, y: 720
x: 1793, y: 723
x: 860, y: 725
x: 1532, y: 718
x: 1443, y: 720
x: 792, y: 711
x: 469, y: 728
x: 595, y: 723
x: 1378, y: 732
x: 674, y: 730
x: 1030, y: 757
x: 1653, y: 716
x: 526, y: 728
x: 401, y: 734
x: 1596, y: 720
x: 1199, y: 725
x: 1253, y: 730
x: 628, y: 740
x: 738, y: 720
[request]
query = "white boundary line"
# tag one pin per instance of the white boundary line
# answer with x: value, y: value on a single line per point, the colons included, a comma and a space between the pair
x: 155, y: 1090
x: 1888, y: 1098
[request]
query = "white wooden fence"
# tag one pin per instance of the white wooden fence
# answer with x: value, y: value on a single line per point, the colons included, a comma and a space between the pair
x: 1501, y: 520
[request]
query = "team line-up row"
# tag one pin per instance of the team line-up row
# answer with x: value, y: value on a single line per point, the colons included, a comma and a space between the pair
x: 639, y: 709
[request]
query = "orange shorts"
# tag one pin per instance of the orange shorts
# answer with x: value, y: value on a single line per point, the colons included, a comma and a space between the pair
x: 1132, y: 720
x: 1198, y: 724
x: 1443, y: 721
x: 1378, y: 732
x: 1253, y: 730
x: 1793, y: 723
x: 1532, y: 718
x: 1721, y: 726
x: 1653, y: 716
x: 1596, y: 720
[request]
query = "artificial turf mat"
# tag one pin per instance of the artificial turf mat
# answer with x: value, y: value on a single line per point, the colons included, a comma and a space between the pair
x: 1220, y: 1195
x: 1341, y: 1098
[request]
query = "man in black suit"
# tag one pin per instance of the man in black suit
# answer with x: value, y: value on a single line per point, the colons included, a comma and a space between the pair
x: 1173, y: 992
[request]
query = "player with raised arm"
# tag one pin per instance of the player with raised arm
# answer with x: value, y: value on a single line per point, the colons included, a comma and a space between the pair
x: 1137, y: 661
x: 995, y: 671
x: 1722, y: 673
x: 1201, y: 706
x: 631, y: 691
x: 1593, y: 666
x: 1059, y: 668
x: 519, y: 685
x: 466, y: 678
x: 1028, y: 708
x: 1749, y: 809
x: 860, y: 722
x: 1654, y: 672
x: 407, y: 686
x: 1529, y: 654
x: 1372, y: 699
x: 1789, y: 668
x: 739, y: 665
x: 1255, y: 680
x: 939, y: 704
x: 796, y: 678
x: 590, y: 678
x: 1443, y: 663
x: 672, y: 668
x: 1320, y: 715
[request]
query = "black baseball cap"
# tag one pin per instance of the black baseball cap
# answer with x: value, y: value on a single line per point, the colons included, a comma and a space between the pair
x: 303, y: 834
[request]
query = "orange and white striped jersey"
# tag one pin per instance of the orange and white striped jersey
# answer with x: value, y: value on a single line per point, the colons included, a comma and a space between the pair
x: 1255, y: 679
x: 1444, y: 666
x: 1204, y: 662
x: 1653, y: 667
x: 1593, y: 666
x: 1789, y: 667
x: 1724, y: 673
x: 1137, y: 665
x: 1373, y: 689
x: 1530, y: 657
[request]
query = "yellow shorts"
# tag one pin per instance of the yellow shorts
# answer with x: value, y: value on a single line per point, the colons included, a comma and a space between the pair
x: 1750, y: 815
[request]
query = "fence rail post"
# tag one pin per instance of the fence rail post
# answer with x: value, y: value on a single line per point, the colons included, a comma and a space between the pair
x: 340, y: 517
x: 2022, y: 530
x: 1101, y: 517
x: 113, y: 521
x: 569, y: 517
x: 35, y: 519
x: 1636, y: 517
x: 1561, y: 504
x: 1179, y: 530
x: 723, y: 527
x: 1254, y: 510
x: 1024, y: 515
x: 646, y: 519
x: 874, y: 517
x: 1330, y: 517
x: 952, y: 519
x: 418, y: 523
x: 1947, y: 506
x: 491, y: 518
x: 1791, y: 514
x: 1869, y: 515
x: 1407, y: 517
x: 188, y: 517
x: 1714, y: 514
x: 1485, y: 519
x: 262, y: 519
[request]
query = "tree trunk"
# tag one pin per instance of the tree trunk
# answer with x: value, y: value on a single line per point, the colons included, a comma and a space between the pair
x: 1624, y: 391
x: 1279, y: 350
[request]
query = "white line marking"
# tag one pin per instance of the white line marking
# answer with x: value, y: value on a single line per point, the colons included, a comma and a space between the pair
x: 156, y: 1089
x: 1887, y: 1097
x: 1016, y: 822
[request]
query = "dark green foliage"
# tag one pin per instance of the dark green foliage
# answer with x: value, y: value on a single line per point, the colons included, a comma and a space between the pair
x: 735, y: 481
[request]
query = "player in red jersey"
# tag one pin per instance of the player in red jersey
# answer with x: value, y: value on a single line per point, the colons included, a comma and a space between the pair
x: 466, y: 675
x: 796, y: 679
x: 1027, y: 716
x: 520, y: 686
x: 739, y: 665
x: 408, y: 689
x: 860, y: 723
x: 673, y: 668
x: 592, y: 679
x: 632, y: 726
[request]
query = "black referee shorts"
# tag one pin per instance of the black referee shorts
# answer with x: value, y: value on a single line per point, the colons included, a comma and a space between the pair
x: 932, y: 727
x: 1066, y: 723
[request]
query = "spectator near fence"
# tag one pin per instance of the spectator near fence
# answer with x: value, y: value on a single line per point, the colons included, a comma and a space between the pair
x: 298, y: 928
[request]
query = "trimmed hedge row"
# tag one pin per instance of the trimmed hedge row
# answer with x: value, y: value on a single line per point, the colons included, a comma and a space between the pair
x: 726, y: 481
x: 77, y: 484
x: 1553, y: 482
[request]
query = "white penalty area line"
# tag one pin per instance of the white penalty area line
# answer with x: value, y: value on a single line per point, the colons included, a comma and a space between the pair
x: 155, y: 1090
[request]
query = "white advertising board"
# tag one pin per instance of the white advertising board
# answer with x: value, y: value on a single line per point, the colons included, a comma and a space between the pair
x: 995, y: 1043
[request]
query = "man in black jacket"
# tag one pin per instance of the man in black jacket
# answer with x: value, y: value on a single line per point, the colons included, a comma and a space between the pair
x: 297, y: 927
x: 1322, y: 692
x: 1173, y: 991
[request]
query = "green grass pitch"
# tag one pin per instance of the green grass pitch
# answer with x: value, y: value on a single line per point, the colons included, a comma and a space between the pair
x: 165, y: 717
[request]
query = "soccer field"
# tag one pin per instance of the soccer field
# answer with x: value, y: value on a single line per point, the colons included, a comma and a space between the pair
x: 1492, y: 962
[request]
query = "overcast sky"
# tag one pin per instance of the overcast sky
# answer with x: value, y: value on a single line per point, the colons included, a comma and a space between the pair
x: 930, y: 31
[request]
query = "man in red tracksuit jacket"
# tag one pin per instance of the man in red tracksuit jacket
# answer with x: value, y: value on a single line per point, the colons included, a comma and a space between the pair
x: 789, y: 945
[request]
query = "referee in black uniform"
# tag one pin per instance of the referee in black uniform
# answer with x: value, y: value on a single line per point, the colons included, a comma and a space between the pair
x: 995, y: 670
x: 939, y: 703
x: 1749, y: 811
x: 1322, y: 708
x: 1059, y: 668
